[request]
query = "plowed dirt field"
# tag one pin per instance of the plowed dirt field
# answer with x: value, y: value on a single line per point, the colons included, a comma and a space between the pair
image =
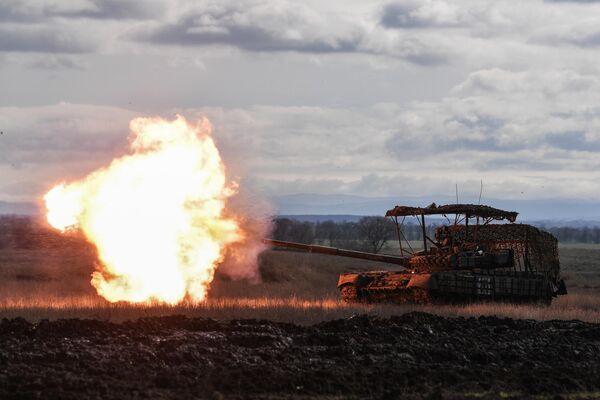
x: 415, y: 355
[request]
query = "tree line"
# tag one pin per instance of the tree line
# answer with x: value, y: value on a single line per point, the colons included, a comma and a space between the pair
x: 368, y: 234
x: 567, y: 234
x: 372, y: 233
x: 27, y: 233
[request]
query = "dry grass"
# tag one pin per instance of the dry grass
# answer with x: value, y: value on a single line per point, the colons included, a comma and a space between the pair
x: 291, y: 309
x: 284, y: 309
x: 297, y: 287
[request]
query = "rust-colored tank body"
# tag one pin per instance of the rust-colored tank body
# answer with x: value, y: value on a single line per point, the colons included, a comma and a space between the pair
x: 482, y: 262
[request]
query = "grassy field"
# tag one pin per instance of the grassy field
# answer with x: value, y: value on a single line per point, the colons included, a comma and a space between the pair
x: 296, y: 287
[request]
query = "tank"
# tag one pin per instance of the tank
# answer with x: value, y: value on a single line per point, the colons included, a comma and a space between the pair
x: 483, y: 255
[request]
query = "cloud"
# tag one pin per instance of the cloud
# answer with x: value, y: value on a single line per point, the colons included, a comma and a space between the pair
x: 573, y: 1
x: 32, y: 11
x: 524, y: 106
x: 587, y: 39
x: 285, y: 141
x: 534, y: 132
x: 40, y: 146
x: 43, y: 40
x: 498, y: 125
x: 51, y: 62
x: 498, y: 33
x: 481, y: 34
x: 20, y: 11
x: 511, y: 120
x: 573, y: 140
x: 264, y: 26
x: 62, y: 133
x: 422, y: 14
x: 270, y: 26
x: 282, y: 26
x: 113, y: 9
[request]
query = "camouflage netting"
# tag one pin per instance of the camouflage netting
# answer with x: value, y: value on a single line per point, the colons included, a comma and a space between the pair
x: 535, y: 250
x: 471, y: 210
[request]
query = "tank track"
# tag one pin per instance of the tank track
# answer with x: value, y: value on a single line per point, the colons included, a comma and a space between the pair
x: 413, y: 295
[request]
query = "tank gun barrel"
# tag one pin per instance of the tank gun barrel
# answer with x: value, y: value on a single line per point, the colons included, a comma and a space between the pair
x: 313, y: 248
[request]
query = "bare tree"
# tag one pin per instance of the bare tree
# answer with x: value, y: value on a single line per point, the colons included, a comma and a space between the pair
x: 281, y: 227
x: 327, y: 231
x: 294, y: 231
x: 302, y: 232
x: 375, y: 232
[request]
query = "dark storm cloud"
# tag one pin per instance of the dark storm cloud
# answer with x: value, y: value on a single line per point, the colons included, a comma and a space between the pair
x: 43, y: 40
x: 224, y: 30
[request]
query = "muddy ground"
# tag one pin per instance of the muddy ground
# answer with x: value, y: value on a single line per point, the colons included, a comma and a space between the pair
x: 416, y: 355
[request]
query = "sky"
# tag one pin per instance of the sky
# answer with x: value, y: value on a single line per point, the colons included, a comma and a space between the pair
x: 378, y: 98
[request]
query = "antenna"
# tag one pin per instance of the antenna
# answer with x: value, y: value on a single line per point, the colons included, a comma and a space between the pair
x: 456, y: 185
x: 480, y: 191
x: 456, y: 216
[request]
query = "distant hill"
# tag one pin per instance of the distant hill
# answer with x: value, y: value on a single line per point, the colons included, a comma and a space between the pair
x: 322, y: 207
x: 19, y: 208
x: 547, y: 211
x: 323, y: 217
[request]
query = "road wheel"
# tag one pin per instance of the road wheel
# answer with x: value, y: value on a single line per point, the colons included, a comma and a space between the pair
x: 349, y: 293
x: 420, y: 296
x: 413, y: 295
x: 547, y: 301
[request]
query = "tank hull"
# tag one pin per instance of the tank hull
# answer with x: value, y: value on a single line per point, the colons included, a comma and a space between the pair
x: 484, y: 261
x: 447, y: 286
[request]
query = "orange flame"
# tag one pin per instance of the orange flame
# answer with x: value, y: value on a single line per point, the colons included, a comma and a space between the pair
x: 155, y: 215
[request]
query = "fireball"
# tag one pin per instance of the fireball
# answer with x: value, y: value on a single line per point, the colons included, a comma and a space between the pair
x: 156, y: 215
